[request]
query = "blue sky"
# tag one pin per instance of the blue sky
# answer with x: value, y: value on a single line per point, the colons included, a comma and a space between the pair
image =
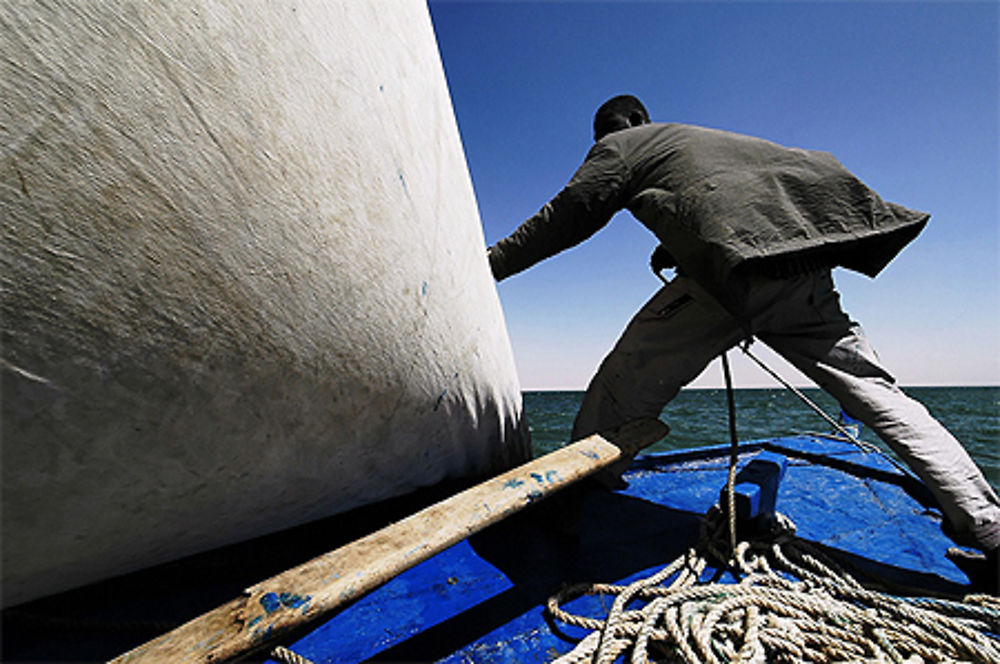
x: 905, y: 94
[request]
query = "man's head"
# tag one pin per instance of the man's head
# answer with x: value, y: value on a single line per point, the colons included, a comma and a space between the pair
x: 618, y: 113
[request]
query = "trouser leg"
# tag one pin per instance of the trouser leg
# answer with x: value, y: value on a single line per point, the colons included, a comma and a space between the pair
x: 816, y: 336
x: 665, y: 346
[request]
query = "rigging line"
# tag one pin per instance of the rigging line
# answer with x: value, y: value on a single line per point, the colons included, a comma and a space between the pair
x: 860, y: 444
x: 733, y: 450
x: 819, y: 411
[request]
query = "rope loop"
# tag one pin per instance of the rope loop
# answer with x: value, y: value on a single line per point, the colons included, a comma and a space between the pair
x: 792, y: 603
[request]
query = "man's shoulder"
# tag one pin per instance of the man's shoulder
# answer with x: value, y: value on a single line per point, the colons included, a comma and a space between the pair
x: 712, y: 142
x: 627, y: 140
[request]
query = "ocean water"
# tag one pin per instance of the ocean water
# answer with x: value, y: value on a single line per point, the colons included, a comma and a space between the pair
x: 699, y: 417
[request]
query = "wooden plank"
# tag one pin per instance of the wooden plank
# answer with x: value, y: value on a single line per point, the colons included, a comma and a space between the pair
x: 312, y: 590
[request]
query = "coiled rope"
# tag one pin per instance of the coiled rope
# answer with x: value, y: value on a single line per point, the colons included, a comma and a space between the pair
x: 793, y: 604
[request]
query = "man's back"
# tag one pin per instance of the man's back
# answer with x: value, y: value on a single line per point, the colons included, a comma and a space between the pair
x: 718, y: 199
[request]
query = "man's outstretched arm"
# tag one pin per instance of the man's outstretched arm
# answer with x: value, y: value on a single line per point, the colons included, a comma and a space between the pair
x: 582, y: 208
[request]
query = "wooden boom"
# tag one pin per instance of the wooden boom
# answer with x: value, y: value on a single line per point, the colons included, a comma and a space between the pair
x: 312, y: 590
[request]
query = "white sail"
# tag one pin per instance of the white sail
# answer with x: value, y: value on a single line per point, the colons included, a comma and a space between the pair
x: 244, y: 278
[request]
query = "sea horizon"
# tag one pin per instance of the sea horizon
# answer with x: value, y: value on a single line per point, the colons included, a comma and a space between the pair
x: 699, y: 417
x: 773, y: 387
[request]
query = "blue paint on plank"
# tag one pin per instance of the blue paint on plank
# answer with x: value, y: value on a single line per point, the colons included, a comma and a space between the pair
x: 270, y: 602
x: 274, y: 601
x: 293, y: 600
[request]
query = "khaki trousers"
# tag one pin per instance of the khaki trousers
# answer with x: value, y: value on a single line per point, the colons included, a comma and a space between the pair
x: 682, y: 328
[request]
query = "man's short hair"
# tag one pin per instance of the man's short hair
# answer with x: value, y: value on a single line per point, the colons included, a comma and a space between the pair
x: 617, y: 113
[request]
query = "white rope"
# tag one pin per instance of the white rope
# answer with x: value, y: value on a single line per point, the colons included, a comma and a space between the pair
x: 793, y: 604
x: 286, y: 656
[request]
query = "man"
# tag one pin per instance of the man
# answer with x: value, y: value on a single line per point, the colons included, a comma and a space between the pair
x: 754, y: 230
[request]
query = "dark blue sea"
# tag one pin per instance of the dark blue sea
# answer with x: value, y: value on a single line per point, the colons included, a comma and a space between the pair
x: 699, y: 417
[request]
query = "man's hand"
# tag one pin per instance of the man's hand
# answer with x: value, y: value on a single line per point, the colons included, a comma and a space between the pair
x: 661, y: 259
x: 493, y: 257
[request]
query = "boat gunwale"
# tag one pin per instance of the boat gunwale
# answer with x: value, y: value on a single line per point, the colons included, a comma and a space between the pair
x: 836, y: 459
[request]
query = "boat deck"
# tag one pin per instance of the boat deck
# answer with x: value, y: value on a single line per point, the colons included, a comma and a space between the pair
x: 483, y: 599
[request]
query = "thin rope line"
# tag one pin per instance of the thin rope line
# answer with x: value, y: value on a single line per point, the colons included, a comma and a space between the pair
x: 860, y: 444
x: 819, y: 411
x: 733, y: 451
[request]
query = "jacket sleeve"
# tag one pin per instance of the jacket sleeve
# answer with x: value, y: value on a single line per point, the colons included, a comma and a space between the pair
x: 582, y: 208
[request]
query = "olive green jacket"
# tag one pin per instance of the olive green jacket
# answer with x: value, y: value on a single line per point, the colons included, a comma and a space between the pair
x: 722, y: 204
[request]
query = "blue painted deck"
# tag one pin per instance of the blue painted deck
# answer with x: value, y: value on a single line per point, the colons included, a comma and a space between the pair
x: 483, y: 599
